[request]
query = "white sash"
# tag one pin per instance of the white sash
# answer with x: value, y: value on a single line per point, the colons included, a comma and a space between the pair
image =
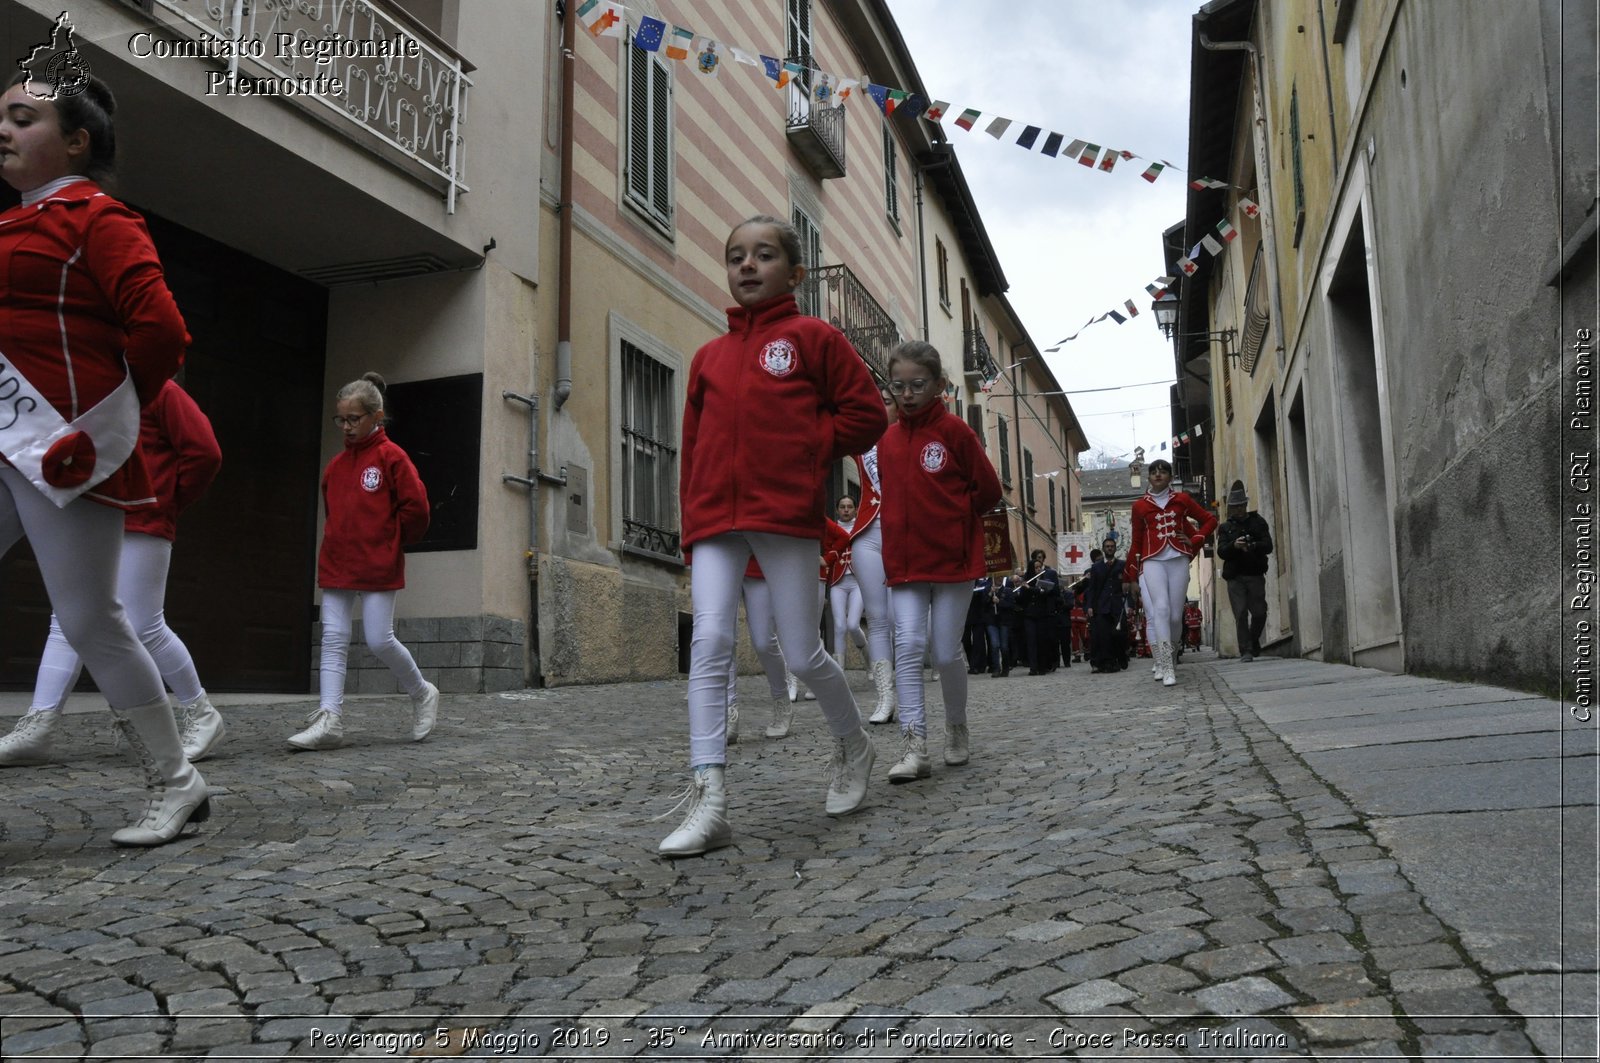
x: 30, y: 426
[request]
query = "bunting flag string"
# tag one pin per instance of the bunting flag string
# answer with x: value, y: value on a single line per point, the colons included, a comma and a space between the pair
x: 602, y: 18
x: 1187, y: 264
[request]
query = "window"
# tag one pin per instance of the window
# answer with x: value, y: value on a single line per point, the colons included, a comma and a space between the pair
x: 891, y: 181
x: 943, y: 259
x: 808, y: 295
x: 975, y: 422
x: 1005, y: 452
x: 1050, y: 491
x: 798, y: 37
x: 1027, y: 478
x: 648, y: 170
x: 1299, y: 170
x: 649, y: 460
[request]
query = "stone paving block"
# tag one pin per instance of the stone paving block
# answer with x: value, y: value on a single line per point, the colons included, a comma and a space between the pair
x: 1506, y: 1044
x: 1315, y: 920
x: 1090, y: 997
x: 1314, y: 949
x: 1217, y: 964
x: 1243, y: 996
x: 1452, y: 1010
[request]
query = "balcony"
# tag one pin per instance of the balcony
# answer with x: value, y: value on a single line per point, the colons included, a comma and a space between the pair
x: 976, y: 360
x: 1256, y: 316
x: 816, y: 133
x: 834, y: 294
x: 384, y: 81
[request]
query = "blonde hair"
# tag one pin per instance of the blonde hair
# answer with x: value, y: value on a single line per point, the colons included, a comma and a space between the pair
x: 368, y: 391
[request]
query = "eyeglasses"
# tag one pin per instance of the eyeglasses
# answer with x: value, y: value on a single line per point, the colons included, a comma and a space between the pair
x: 350, y: 422
x: 915, y: 387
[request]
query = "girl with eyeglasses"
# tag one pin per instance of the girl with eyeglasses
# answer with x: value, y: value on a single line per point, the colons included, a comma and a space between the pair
x: 89, y: 333
x: 375, y: 505
x: 937, y: 485
x: 769, y: 408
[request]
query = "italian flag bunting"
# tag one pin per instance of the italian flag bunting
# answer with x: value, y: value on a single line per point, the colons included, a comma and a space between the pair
x: 682, y: 40
x: 1226, y: 231
x: 968, y: 118
x: 1153, y: 172
x: 1090, y: 152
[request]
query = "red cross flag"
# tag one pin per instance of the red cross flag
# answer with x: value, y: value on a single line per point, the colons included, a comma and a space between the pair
x: 1072, y: 553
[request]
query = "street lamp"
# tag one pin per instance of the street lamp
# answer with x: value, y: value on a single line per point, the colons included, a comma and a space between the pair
x: 1166, y: 311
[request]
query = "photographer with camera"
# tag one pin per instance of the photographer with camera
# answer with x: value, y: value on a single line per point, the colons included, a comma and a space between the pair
x: 1244, y: 542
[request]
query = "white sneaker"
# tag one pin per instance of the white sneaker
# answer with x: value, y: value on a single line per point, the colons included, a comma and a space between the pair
x: 200, y: 728
x: 793, y: 685
x: 426, y: 710
x: 782, y: 717
x: 29, y: 741
x: 956, y: 744
x: 733, y: 723
x: 705, y: 826
x: 849, y: 772
x: 913, y: 759
x: 326, y: 732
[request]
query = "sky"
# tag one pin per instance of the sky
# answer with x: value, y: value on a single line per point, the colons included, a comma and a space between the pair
x: 1073, y: 242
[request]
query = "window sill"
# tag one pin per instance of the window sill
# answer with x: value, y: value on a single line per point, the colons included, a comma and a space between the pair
x: 666, y: 560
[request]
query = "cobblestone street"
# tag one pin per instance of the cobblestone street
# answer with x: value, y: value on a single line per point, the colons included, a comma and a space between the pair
x: 1122, y: 870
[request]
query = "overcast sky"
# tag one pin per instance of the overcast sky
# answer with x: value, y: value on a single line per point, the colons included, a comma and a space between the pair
x: 1073, y: 242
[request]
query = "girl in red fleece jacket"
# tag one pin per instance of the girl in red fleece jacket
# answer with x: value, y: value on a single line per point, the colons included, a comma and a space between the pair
x: 937, y: 485
x: 375, y: 505
x: 182, y: 457
x: 769, y: 408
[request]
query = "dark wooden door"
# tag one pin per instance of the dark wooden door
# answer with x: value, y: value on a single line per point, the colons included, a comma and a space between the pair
x: 243, y: 566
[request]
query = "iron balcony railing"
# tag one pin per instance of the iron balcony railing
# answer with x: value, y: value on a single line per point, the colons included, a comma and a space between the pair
x: 815, y: 127
x: 976, y: 359
x: 356, y: 65
x: 1256, y: 316
x: 834, y: 294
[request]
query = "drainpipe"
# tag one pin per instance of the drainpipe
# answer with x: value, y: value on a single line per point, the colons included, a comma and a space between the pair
x: 1016, y: 430
x: 1327, y: 83
x: 569, y: 66
x: 922, y: 259
x: 1263, y: 168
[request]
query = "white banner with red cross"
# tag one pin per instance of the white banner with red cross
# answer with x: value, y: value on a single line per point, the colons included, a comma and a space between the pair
x: 1072, y: 552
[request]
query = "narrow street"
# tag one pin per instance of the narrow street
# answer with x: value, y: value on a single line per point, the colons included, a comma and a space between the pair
x: 1231, y: 867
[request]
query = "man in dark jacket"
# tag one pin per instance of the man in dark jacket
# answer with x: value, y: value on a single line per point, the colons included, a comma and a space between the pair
x: 1244, y: 542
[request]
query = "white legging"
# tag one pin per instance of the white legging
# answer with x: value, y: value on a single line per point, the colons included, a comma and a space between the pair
x: 377, y: 624
x: 763, y: 639
x: 1165, y: 584
x: 930, y: 615
x: 78, y: 547
x: 715, y: 578
x: 866, y: 561
x: 142, y: 589
x: 845, y: 596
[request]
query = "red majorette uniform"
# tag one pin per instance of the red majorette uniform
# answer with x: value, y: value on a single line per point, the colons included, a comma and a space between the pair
x: 835, y: 552
x: 1168, y: 529
x: 866, y: 561
x: 938, y: 484
x: 84, y: 293
x: 88, y: 333
x: 376, y: 505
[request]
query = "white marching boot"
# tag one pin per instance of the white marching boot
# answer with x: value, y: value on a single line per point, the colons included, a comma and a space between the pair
x: 849, y: 773
x: 913, y: 759
x: 705, y: 826
x: 200, y: 727
x: 178, y: 794
x: 792, y: 683
x: 883, y: 680
x: 733, y: 723
x: 1164, y: 662
x: 30, y: 741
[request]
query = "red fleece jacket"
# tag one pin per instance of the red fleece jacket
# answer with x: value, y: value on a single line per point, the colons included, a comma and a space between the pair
x: 937, y: 484
x: 181, y: 455
x: 770, y: 407
x: 375, y: 505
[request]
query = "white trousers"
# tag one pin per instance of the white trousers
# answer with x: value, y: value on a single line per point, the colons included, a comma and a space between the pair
x: 1165, y: 585
x: 866, y: 561
x: 763, y: 639
x: 845, y: 597
x: 716, y: 578
x: 930, y: 617
x: 78, y: 549
x: 142, y: 589
x: 377, y: 624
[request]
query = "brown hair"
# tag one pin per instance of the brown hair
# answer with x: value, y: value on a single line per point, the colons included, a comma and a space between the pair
x: 368, y: 391
x: 918, y: 353
x: 788, y: 236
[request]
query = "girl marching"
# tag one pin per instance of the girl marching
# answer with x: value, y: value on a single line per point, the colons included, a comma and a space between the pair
x: 844, y: 593
x: 770, y: 406
x: 90, y: 333
x: 938, y: 485
x: 375, y: 505
x: 866, y: 561
x: 182, y: 457
x: 1168, y: 528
